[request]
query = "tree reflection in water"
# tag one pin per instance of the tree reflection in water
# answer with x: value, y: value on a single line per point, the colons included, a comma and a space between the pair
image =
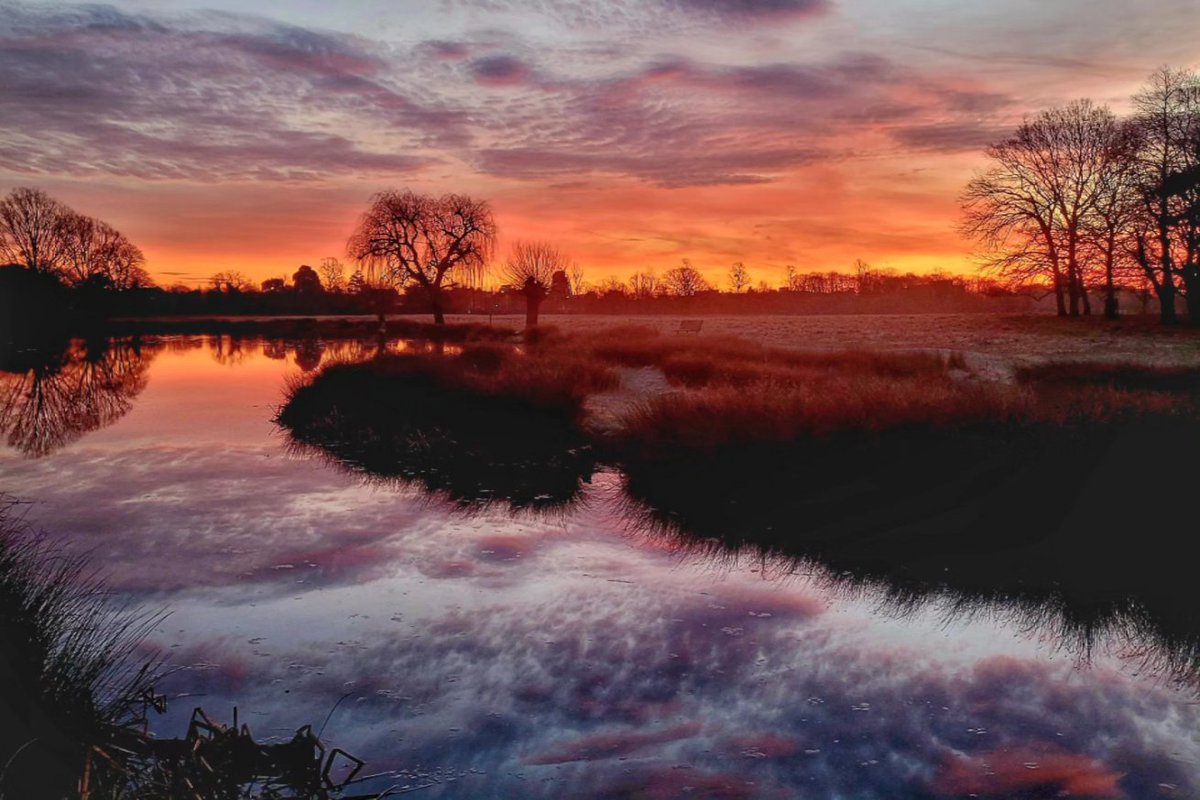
x: 48, y: 400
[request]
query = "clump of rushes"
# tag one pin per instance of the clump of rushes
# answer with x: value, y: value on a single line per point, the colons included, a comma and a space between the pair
x: 490, y: 423
x: 73, y: 675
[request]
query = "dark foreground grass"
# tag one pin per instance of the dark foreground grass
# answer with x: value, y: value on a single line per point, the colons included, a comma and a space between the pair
x: 72, y: 676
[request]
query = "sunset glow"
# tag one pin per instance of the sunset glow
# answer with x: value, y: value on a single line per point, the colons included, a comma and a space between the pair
x: 773, y: 132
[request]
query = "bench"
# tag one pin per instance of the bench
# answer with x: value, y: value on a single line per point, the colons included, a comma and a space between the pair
x: 690, y: 325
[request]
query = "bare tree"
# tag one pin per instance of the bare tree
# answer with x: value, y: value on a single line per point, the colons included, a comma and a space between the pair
x: 611, y: 287
x: 333, y: 273
x: 576, y: 276
x: 1109, y: 228
x: 231, y: 281
x: 404, y: 238
x: 643, y: 285
x: 739, y: 277
x: 529, y: 269
x: 77, y: 243
x: 96, y: 254
x: 122, y: 263
x: 684, y: 280
x: 1167, y: 118
x: 46, y: 236
x: 30, y: 230
x: 791, y: 279
x: 1031, y: 209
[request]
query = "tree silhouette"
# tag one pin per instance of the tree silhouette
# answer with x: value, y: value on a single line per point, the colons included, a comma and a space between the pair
x: 404, y: 238
x: 530, y: 268
x: 576, y: 275
x: 31, y: 230
x: 739, y: 277
x: 48, y: 238
x: 96, y: 254
x: 333, y: 273
x: 1167, y: 231
x: 684, y: 280
x: 1032, y: 208
x: 231, y: 281
x: 643, y: 285
x: 307, y: 281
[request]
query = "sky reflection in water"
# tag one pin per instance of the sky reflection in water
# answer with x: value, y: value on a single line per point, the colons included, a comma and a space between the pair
x: 559, y: 655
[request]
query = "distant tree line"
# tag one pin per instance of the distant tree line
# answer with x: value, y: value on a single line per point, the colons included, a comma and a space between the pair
x: 412, y: 253
x: 1077, y: 199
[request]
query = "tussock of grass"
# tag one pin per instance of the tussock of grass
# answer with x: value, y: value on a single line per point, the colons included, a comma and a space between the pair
x: 488, y: 424
x: 561, y: 383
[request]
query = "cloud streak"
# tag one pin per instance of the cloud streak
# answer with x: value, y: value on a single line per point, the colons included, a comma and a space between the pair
x: 95, y: 91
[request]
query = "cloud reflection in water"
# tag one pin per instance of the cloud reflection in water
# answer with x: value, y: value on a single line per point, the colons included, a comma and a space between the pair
x: 530, y: 656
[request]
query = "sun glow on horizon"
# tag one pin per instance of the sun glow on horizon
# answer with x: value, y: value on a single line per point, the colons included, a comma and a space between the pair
x: 631, y: 136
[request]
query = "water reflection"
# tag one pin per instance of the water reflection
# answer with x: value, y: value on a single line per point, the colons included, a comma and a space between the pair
x: 557, y: 655
x: 48, y: 400
x: 51, y: 397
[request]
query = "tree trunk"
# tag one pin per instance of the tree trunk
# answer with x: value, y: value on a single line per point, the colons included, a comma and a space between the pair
x: 1191, y: 285
x: 1059, y: 302
x: 1166, y: 301
x: 1074, y: 279
x: 532, y: 303
x: 1111, y: 310
x: 435, y: 303
x: 1166, y: 291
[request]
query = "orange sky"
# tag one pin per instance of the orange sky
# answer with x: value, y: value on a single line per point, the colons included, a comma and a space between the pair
x: 773, y: 132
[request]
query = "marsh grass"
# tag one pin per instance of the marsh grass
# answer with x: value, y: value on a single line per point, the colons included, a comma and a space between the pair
x: 73, y: 668
x: 484, y: 425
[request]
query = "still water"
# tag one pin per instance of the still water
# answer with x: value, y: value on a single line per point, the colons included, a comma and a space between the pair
x: 487, y: 652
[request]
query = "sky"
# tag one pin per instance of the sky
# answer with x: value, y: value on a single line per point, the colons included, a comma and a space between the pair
x: 630, y: 134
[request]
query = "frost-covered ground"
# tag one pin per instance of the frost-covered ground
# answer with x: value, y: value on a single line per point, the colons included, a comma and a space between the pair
x: 1013, y: 339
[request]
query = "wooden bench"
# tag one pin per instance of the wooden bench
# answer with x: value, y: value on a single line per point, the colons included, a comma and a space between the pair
x: 690, y: 325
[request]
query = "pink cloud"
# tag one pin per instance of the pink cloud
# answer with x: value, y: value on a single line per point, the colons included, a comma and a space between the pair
x: 612, y: 744
x: 1003, y: 773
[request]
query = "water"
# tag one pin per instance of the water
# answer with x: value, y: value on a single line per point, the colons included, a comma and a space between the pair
x: 483, y: 652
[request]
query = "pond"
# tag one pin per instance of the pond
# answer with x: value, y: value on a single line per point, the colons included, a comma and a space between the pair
x: 565, y: 650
